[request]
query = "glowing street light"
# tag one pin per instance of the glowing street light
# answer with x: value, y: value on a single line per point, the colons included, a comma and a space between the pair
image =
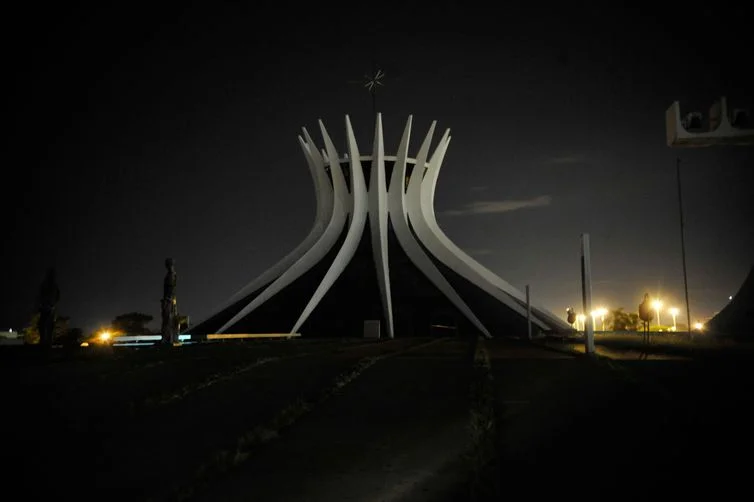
x: 674, y: 312
x: 580, y: 320
x: 600, y: 312
x: 698, y: 326
x: 657, y: 305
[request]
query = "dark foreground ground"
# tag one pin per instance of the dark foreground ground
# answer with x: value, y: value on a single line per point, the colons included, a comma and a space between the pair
x: 641, y: 423
x: 355, y: 420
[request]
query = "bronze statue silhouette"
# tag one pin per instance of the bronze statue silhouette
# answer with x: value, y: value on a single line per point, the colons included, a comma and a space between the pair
x: 571, y: 316
x: 47, y: 302
x: 169, y: 307
x: 645, y: 314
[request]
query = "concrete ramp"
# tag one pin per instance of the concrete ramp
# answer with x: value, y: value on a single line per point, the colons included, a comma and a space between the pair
x: 737, y: 318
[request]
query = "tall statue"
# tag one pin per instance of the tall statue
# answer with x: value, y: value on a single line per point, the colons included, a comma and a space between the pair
x: 169, y: 305
x: 47, y: 302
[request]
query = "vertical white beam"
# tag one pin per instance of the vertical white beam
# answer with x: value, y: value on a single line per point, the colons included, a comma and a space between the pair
x: 378, y: 223
x: 462, y: 262
x: 586, y: 291
x: 425, y: 225
x: 314, y: 254
x: 538, y: 311
x: 323, y: 193
x: 358, y: 220
x: 407, y: 241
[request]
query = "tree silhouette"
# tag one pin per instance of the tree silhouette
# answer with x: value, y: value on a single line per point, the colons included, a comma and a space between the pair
x: 59, y: 333
x: 133, y: 323
x: 618, y: 320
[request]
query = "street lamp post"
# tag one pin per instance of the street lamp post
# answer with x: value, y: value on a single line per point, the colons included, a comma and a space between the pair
x: 657, y: 305
x: 603, y: 312
x: 674, y: 313
x: 683, y: 243
x: 586, y: 291
x: 581, y: 321
x: 600, y: 312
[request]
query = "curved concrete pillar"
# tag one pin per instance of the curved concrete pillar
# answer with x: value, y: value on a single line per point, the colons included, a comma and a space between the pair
x: 323, y: 193
x: 439, y: 245
x: 358, y: 220
x: 544, y: 319
x: 407, y: 241
x: 377, y: 211
x: 317, y: 251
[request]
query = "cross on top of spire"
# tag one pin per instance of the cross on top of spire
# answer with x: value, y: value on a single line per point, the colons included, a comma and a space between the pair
x: 375, y: 80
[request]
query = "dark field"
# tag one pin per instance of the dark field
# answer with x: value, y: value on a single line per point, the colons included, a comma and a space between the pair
x: 349, y: 419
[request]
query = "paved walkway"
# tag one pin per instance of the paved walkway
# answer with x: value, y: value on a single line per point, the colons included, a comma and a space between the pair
x: 619, y: 353
x: 397, y: 432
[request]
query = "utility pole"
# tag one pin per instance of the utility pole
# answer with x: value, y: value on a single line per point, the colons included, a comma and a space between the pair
x: 726, y: 127
x: 683, y: 245
x: 586, y: 291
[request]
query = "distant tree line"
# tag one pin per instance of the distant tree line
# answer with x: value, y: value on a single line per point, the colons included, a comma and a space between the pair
x: 131, y: 323
x: 135, y: 323
x: 63, y: 334
x: 618, y: 320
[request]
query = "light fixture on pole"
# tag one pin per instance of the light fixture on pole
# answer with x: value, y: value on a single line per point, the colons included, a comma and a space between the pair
x: 599, y: 312
x: 674, y: 312
x: 724, y: 128
x: 593, y: 314
x: 586, y: 291
x: 580, y: 321
x: 657, y: 305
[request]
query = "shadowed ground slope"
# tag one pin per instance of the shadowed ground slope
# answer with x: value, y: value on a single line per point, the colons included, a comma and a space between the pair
x: 629, y: 424
x: 415, y: 419
x: 737, y: 318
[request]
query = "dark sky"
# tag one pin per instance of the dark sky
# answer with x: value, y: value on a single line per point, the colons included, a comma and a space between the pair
x: 140, y: 133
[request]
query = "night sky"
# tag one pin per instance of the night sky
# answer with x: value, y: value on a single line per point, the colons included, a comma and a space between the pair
x: 140, y: 133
